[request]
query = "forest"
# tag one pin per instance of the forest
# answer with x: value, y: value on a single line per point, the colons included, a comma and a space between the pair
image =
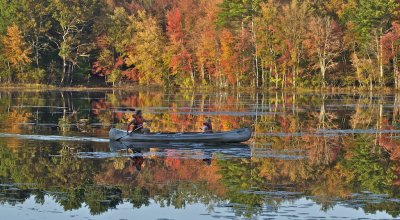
x: 269, y: 44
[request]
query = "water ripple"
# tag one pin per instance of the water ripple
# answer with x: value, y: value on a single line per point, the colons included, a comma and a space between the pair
x: 54, y: 138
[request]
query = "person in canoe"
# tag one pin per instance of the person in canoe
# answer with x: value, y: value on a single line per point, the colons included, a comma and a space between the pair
x: 138, y: 122
x: 207, y: 126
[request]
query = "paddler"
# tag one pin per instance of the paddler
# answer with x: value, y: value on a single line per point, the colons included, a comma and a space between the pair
x: 138, y: 122
x: 207, y: 126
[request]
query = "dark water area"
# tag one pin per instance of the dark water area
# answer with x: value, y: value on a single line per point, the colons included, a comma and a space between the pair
x: 311, y: 156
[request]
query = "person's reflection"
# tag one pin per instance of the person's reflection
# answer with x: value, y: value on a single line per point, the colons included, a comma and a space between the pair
x: 207, y: 161
x: 137, y: 159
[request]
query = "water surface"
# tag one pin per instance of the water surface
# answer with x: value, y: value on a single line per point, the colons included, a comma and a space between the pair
x: 312, y: 156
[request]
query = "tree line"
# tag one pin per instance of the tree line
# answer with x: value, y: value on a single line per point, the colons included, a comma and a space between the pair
x: 188, y: 43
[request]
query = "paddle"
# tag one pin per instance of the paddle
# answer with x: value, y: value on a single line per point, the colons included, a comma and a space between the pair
x: 128, y: 133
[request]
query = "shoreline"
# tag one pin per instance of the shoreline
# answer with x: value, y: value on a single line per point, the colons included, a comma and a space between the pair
x: 41, y: 87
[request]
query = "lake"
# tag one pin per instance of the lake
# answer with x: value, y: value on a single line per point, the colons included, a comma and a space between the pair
x: 312, y: 156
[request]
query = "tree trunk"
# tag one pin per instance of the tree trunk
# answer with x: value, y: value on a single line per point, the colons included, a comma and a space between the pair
x: 379, y: 48
x: 256, y: 53
x: 269, y: 76
x: 192, y: 74
x: 72, y: 69
x: 202, y: 73
x: 395, y: 73
x: 294, y: 72
x: 284, y: 79
x: 63, y: 71
x: 323, y: 71
x: 396, y: 108
x: 262, y: 73
x: 276, y: 78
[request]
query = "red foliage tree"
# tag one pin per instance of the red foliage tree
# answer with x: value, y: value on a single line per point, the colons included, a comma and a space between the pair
x: 178, y: 56
x: 391, y: 47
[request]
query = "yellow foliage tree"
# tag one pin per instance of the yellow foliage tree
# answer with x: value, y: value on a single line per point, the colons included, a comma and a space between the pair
x: 16, y: 50
x: 148, y: 47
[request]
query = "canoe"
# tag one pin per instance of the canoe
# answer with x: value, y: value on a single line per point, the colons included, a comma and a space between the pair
x: 234, y: 136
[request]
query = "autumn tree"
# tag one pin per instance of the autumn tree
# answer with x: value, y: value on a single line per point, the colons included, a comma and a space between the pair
x: 324, y: 44
x: 229, y: 59
x: 207, y: 55
x: 293, y: 22
x: 286, y: 43
x: 239, y: 16
x: 177, y: 56
x: 206, y: 48
x: 114, y: 44
x: 367, y: 21
x: 248, y: 67
x: 267, y: 41
x: 16, y: 49
x: 391, y: 49
x: 148, y: 46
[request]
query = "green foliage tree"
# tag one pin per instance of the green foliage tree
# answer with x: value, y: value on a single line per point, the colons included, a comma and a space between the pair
x: 34, y: 19
x: 74, y: 21
x: 367, y: 21
x: 5, y: 70
x: 373, y: 170
x: 7, y: 16
x: 235, y: 13
x: 115, y: 44
x: 114, y: 77
x: 120, y: 30
x: 238, y: 176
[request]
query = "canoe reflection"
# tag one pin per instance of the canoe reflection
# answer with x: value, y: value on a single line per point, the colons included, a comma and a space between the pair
x: 119, y: 145
x: 181, y: 150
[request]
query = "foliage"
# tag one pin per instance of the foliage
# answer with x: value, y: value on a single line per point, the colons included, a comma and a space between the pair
x: 223, y: 43
x: 146, y: 55
x: 114, y: 76
x: 371, y: 167
x: 15, y: 48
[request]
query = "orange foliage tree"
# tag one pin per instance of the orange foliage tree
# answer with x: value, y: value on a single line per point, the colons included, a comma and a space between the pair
x: 177, y: 56
x: 15, y: 49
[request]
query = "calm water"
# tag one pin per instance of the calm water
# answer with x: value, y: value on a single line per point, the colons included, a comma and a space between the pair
x: 312, y: 156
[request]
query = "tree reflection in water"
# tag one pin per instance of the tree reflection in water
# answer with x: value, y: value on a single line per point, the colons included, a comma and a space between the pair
x: 332, y: 149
